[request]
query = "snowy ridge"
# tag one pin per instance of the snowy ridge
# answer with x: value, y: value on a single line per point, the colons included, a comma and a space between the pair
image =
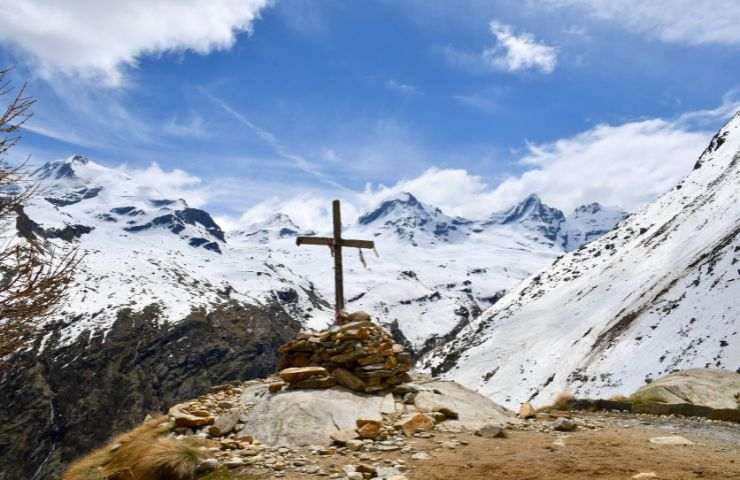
x: 660, y: 292
x: 432, y: 276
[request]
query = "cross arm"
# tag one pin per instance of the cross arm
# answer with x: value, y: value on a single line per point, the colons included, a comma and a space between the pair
x: 314, y: 241
x: 330, y: 241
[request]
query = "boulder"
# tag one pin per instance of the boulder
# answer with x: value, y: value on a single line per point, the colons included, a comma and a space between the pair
x: 564, y: 425
x: 712, y: 388
x: 473, y: 409
x: 305, y: 417
x: 526, y: 410
x: 224, y: 424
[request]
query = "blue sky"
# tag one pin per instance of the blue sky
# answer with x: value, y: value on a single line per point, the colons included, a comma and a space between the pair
x: 263, y: 106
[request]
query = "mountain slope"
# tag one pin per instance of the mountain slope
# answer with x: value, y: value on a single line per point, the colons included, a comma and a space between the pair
x: 658, y: 293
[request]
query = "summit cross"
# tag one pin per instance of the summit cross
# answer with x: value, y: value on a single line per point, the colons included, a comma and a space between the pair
x: 336, y: 243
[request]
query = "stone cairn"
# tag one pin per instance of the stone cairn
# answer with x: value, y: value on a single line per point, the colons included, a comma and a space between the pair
x: 356, y: 354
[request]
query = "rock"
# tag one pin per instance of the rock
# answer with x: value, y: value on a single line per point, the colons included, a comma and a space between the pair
x: 526, y: 410
x: 438, y: 417
x: 421, y: 456
x: 276, y: 387
x: 369, y: 429
x: 645, y: 475
x: 207, y: 465
x: 473, y: 409
x: 564, y: 425
x: 341, y: 437
x: 183, y: 418
x: 293, y: 375
x: 409, y: 398
x: 671, y: 440
x: 712, y: 388
x: 405, y: 388
x: 367, y: 471
x: 348, y: 379
x: 447, y: 412
x: 305, y: 417
x: 224, y: 424
x: 315, y: 382
x: 355, y: 445
x: 491, y: 431
x: 416, y: 423
x: 358, y: 316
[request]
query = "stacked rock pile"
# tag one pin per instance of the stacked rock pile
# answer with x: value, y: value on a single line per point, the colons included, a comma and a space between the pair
x: 358, y: 355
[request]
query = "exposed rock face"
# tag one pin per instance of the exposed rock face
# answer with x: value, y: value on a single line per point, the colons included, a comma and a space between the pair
x: 707, y: 387
x: 62, y: 402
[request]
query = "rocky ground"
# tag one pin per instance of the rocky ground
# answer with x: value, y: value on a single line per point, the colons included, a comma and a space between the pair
x: 604, y: 446
x: 556, y: 445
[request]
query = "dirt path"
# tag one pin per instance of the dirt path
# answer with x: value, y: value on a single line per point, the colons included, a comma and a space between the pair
x: 606, y: 446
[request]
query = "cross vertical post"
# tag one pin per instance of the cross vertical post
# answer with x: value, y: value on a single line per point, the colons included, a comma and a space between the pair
x: 338, y: 274
x: 335, y: 243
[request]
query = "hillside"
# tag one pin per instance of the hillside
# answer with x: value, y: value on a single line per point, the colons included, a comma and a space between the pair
x: 658, y: 293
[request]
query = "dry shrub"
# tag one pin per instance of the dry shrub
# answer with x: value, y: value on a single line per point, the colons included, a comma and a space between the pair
x: 144, y: 453
x: 619, y: 398
x: 562, y: 401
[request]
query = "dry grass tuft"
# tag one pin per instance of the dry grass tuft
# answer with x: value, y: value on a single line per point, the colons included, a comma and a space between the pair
x: 144, y: 453
x: 619, y: 398
x: 646, y: 397
x: 562, y: 401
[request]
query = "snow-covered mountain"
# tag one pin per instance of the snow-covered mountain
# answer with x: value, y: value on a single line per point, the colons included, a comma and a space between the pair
x: 433, y: 273
x: 658, y: 293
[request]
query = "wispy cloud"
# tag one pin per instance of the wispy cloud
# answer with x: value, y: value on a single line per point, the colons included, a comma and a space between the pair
x: 405, y: 89
x: 194, y: 127
x: 693, y: 22
x: 298, y: 161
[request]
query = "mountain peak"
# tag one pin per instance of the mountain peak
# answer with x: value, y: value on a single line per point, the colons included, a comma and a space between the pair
x: 399, y: 205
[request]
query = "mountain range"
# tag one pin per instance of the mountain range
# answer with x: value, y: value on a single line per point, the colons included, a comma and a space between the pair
x: 658, y: 293
x: 433, y: 272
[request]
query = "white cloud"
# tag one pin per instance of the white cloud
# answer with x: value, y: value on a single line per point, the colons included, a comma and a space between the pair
x: 693, y: 22
x: 511, y: 53
x: 96, y: 40
x: 402, y: 88
x: 515, y: 53
x: 624, y: 165
x: 173, y: 183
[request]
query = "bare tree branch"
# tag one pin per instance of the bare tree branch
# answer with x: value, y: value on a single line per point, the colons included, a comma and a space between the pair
x: 34, y: 277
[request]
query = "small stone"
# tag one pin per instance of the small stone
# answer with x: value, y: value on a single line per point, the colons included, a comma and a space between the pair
x: 355, y: 445
x: 416, y: 423
x: 645, y: 475
x: 421, y: 456
x: 564, y: 425
x: 448, y: 412
x: 526, y: 410
x: 491, y: 431
x: 371, y: 430
x: 671, y: 440
x: 276, y: 387
x: 342, y: 437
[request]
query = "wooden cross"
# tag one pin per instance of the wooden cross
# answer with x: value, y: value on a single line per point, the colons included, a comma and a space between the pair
x: 336, y: 243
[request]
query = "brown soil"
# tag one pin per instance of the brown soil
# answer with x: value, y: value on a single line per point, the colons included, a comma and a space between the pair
x: 606, y: 454
x: 619, y: 451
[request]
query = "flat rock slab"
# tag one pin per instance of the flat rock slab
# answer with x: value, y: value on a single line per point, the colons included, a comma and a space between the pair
x: 473, y: 409
x: 719, y: 389
x: 306, y: 417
